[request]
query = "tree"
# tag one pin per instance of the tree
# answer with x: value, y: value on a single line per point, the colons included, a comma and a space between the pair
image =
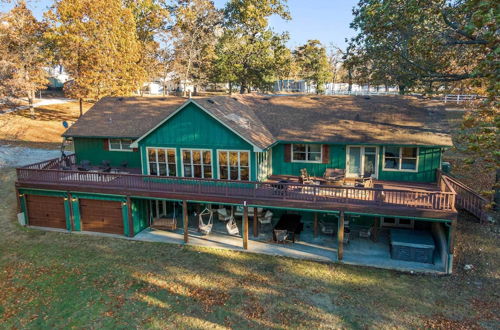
x: 151, y: 22
x: 22, y: 49
x: 194, y: 35
x: 313, y: 64
x: 96, y: 42
x: 250, y: 53
x: 435, y: 41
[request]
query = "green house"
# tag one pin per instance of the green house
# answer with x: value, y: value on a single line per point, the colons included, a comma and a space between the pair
x: 366, y: 164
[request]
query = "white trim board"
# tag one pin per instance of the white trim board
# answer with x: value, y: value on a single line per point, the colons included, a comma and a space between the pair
x: 135, y: 144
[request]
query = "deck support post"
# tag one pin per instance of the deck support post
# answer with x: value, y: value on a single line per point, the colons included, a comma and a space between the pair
x: 315, y: 224
x: 255, y: 223
x: 245, y: 227
x: 185, y: 220
x: 130, y: 220
x: 340, y: 237
x: 376, y: 226
x: 453, y: 228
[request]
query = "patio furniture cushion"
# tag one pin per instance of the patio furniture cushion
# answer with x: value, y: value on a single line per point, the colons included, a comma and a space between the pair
x: 280, y: 235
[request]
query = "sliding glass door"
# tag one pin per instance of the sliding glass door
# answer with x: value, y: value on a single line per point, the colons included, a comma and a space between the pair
x: 362, y: 161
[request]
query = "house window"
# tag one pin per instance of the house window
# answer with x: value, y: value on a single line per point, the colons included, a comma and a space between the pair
x: 307, y: 153
x: 162, y: 162
x: 197, y: 163
x: 120, y: 144
x: 401, y: 159
x: 234, y: 165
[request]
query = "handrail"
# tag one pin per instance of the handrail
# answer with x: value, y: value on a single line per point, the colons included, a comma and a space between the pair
x: 435, y: 200
x: 466, y: 198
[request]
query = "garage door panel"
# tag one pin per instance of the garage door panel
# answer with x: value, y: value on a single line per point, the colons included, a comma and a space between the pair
x: 101, y: 216
x: 46, y: 211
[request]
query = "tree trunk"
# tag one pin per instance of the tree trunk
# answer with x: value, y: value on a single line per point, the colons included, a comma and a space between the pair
x: 243, y: 88
x: 81, y: 106
x: 496, y: 198
x: 402, y: 89
x: 230, y: 88
x: 386, y: 88
x: 31, y: 96
x: 349, y: 79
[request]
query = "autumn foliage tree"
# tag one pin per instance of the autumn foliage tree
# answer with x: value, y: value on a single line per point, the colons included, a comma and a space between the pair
x: 97, y: 43
x: 23, y: 55
x: 313, y: 65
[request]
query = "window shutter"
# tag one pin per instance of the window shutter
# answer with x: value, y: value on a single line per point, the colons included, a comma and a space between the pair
x: 288, y: 153
x: 326, y: 154
x: 105, y: 144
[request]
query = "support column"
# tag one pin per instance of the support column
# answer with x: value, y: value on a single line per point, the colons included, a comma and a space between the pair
x: 185, y: 220
x: 255, y: 223
x: 245, y: 227
x: 315, y: 224
x: 453, y: 228
x: 130, y: 220
x: 340, y: 237
x: 376, y: 227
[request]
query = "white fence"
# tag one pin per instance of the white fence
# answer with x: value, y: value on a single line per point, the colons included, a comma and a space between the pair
x: 461, y: 98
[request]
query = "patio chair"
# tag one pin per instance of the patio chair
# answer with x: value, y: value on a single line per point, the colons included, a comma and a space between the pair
x: 223, y: 215
x: 124, y: 164
x: 239, y: 211
x: 105, y: 166
x: 304, y: 177
x: 267, y: 218
x: 280, y: 235
x: 332, y: 175
x: 84, y: 165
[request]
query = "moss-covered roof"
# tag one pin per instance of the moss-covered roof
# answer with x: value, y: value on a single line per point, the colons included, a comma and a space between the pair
x: 264, y: 120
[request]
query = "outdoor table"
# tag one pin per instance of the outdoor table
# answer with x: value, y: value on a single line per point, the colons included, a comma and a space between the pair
x: 290, y: 223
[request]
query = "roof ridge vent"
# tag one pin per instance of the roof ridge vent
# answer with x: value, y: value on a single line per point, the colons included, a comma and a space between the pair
x: 211, y: 101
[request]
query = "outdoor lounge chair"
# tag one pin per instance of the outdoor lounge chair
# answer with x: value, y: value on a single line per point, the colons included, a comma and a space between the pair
x: 84, y: 166
x: 304, y: 177
x: 105, y: 166
x: 334, y: 175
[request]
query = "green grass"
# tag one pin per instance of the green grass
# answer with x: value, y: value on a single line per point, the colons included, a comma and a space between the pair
x: 56, y: 280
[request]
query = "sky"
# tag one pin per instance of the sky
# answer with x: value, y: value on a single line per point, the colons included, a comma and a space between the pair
x: 325, y: 20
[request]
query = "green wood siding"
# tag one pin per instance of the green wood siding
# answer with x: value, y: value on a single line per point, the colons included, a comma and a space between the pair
x: 193, y: 128
x: 429, y: 160
x: 93, y: 150
x: 337, y: 160
x: 139, y: 214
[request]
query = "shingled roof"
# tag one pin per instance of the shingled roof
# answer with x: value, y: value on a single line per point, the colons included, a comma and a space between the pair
x: 264, y: 120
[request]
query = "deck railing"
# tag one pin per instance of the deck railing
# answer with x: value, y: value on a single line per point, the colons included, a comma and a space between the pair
x: 466, y: 198
x: 272, y: 191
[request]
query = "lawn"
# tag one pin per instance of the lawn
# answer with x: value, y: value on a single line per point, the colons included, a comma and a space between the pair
x: 57, y: 280
x: 18, y: 128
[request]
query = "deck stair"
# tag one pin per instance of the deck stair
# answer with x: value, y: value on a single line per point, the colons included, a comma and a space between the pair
x: 466, y: 198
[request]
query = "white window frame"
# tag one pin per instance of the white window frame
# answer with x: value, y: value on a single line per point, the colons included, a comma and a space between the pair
x: 362, y: 155
x: 192, y: 168
x: 307, y: 151
x: 239, y: 166
x: 157, y: 163
x: 121, y: 147
x: 401, y: 161
x: 396, y: 223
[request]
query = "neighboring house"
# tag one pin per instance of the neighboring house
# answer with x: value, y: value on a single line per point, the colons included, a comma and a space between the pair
x: 57, y: 76
x: 249, y: 151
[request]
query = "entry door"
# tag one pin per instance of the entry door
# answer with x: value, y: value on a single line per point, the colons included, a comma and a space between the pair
x: 362, y: 161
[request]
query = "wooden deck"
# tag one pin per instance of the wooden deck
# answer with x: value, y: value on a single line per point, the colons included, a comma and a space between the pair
x: 388, y: 198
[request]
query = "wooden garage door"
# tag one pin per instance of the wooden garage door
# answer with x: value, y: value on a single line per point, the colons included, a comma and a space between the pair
x: 46, y: 211
x: 101, y: 216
